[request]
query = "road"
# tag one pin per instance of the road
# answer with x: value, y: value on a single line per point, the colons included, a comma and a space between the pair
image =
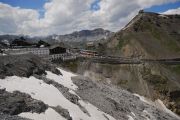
x: 122, y: 60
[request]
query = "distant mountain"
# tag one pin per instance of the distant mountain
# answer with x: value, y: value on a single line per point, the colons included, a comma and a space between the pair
x: 83, y: 36
x: 78, y: 36
x: 11, y: 38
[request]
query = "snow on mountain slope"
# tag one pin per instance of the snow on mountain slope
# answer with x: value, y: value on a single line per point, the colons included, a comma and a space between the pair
x: 49, y: 114
x: 73, y: 97
x: 158, y: 103
x: 51, y: 96
x: 65, y: 79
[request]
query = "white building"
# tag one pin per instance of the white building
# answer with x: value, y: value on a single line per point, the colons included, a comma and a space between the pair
x: 36, y: 51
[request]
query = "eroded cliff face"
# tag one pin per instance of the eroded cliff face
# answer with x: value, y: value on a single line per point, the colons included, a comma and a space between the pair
x: 154, y: 81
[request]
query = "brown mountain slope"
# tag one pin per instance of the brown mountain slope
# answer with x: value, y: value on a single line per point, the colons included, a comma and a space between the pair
x: 148, y: 35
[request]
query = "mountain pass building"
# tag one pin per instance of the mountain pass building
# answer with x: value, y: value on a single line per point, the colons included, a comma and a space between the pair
x: 57, y: 49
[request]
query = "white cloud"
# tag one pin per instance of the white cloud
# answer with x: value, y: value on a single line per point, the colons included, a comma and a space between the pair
x: 172, y: 11
x: 65, y: 16
x: 12, y: 19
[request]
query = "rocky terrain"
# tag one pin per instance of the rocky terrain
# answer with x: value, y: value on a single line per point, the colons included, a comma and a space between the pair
x: 58, y: 94
x: 17, y: 102
x: 32, y: 88
x: 117, y: 102
x: 154, y: 81
x: 24, y: 66
x: 147, y: 36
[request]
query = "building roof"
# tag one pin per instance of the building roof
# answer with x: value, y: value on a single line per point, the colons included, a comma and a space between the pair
x: 59, y: 45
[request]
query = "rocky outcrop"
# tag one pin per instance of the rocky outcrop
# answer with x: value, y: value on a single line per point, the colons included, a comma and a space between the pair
x: 9, y: 117
x: 63, y: 112
x: 17, y: 102
x: 24, y: 66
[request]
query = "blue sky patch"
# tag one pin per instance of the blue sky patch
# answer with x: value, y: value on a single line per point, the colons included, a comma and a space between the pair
x: 38, y: 5
x: 164, y: 7
x: 27, y: 4
x: 95, y: 5
x: 30, y: 4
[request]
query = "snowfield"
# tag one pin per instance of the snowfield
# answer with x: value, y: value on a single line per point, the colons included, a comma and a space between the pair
x: 64, y: 79
x: 51, y: 96
x: 50, y: 114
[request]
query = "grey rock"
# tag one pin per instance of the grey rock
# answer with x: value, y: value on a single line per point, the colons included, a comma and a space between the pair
x: 117, y: 102
x: 17, y: 102
x: 24, y: 66
x: 9, y: 117
x: 63, y: 112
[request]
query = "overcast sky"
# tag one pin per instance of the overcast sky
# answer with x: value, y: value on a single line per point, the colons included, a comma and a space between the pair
x: 45, y: 17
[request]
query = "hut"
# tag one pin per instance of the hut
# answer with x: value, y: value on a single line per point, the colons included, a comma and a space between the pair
x: 58, y: 49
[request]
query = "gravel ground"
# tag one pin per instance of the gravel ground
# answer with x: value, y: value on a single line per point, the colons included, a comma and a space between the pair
x: 117, y: 102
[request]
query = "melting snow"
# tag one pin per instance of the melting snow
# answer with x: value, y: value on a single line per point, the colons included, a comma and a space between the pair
x: 130, y: 118
x: 64, y: 79
x: 52, y: 96
x: 133, y: 114
x: 49, y: 114
x: 160, y: 105
x: 163, y: 15
x: 142, y: 98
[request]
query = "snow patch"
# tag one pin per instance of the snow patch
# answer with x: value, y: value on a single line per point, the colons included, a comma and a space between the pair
x: 142, y: 98
x: 130, y: 118
x: 49, y: 114
x: 133, y: 114
x: 158, y: 104
x: 64, y: 79
x: 44, y: 92
x: 72, y: 92
x: 161, y: 106
x: 52, y: 96
x: 164, y: 16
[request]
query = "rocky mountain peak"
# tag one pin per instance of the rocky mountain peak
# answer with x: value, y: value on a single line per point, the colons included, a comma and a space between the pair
x: 149, y: 35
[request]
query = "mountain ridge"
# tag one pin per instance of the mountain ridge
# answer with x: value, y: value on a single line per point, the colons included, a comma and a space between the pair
x: 77, y: 36
x: 148, y: 35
